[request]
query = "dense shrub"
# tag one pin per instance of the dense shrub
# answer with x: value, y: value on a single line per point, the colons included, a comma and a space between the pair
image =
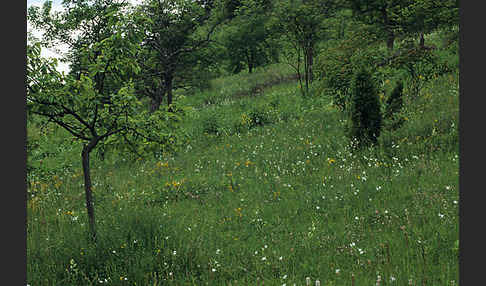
x: 341, y: 59
x: 394, y: 104
x: 259, y: 116
x: 421, y: 65
x: 211, y: 122
x: 365, y: 112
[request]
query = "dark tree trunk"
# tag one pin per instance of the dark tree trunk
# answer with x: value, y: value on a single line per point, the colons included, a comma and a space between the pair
x: 390, y: 41
x: 168, y: 87
x: 306, y: 72
x: 390, y: 36
x: 249, y: 61
x: 154, y: 104
x: 156, y: 101
x: 87, y: 187
x: 299, y: 74
x: 342, y: 28
x: 310, y: 62
x: 422, y: 40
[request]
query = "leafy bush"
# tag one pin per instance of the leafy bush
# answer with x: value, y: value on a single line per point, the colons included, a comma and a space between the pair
x: 337, y: 64
x: 394, y: 104
x: 211, y: 122
x: 259, y: 116
x: 242, y: 123
x: 365, y: 111
x: 421, y: 66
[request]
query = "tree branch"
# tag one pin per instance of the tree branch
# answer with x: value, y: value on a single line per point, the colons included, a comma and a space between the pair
x: 66, y: 126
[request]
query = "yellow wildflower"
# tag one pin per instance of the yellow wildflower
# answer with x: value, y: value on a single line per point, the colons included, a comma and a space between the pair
x: 238, y: 212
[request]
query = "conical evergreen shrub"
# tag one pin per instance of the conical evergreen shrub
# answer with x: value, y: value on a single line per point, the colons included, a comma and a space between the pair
x: 365, y: 112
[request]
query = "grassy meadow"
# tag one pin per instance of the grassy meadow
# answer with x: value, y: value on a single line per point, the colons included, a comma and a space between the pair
x: 265, y: 191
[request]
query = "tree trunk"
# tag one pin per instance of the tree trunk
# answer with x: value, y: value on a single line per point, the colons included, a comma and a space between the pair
x: 156, y: 96
x: 390, y: 41
x: 310, y: 62
x: 311, y: 65
x: 87, y: 187
x: 168, y: 88
x: 249, y: 61
x: 154, y: 104
x: 390, y: 36
x: 156, y: 101
x: 422, y: 40
x: 342, y: 28
x: 306, y: 74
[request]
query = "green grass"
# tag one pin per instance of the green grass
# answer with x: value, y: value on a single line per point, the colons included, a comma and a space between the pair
x: 224, y: 90
x: 253, y: 204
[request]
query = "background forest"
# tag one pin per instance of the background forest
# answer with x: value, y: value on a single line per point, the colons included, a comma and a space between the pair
x: 243, y: 142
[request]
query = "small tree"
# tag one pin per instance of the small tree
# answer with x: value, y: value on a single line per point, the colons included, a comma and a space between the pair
x: 365, y: 112
x: 247, y: 38
x: 421, y: 66
x: 383, y: 14
x: 173, y: 32
x: 302, y: 25
x: 340, y: 58
x: 91, y: 113
x: 424, y: 16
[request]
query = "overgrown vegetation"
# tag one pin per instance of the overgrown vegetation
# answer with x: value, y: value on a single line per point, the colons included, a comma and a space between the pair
x: 241, y: 180
x: 365, y: 112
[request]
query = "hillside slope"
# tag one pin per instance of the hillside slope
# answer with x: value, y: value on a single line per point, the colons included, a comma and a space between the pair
x: 266, y: 191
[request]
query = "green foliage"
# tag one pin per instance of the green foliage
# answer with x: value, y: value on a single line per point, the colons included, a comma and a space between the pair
x: 211, y: 122
x: 271, y: 195
x: 172, y: 52
x: 382, y: 14
x: 421, y: 66
x: 261, y: 202
x: 82, y: 106
x: 248, y: 38
x: 260, y: 115
x: 427, y: 15
x: 394, y: 104
x: 365, y: 117
x: 342, y: 58
x: 406, y: 18
x: 98, y: 106
x: 80, y: 25
x: 156, y: 133
x: 302, y: 25
x: 227, y: 89
x: 230, y: 8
